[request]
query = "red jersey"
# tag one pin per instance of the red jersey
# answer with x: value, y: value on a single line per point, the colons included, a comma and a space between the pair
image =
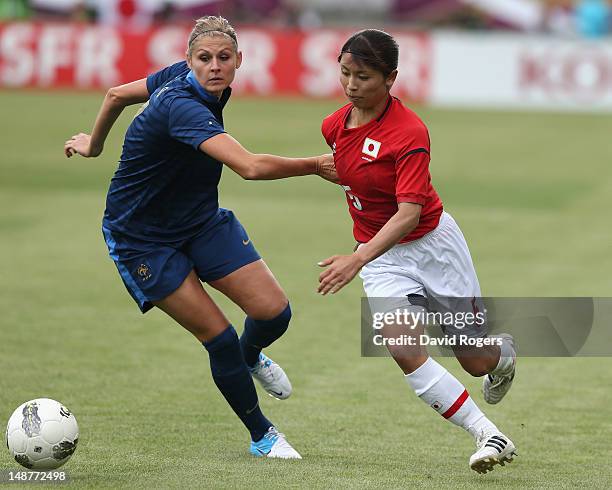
x: 382, y: 163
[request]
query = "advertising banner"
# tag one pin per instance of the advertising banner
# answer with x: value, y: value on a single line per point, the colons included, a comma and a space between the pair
x: 485, y: 70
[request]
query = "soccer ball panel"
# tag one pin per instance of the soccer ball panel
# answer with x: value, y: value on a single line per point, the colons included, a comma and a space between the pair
x: 17, y: 441
x: 37, y: 449
x: 52, y: 431
x: 70, y: 427
x: 63, y: 451
x: 24, y: 461
x: 49, y: 409
x: 15, y: 420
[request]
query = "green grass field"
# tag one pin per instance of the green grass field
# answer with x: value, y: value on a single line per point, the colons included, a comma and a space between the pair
x: 531, y: 192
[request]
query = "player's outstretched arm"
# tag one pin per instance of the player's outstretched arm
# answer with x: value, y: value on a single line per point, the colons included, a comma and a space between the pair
x: 341, y: 269
x: 260, y: 166
x: 116, y: 99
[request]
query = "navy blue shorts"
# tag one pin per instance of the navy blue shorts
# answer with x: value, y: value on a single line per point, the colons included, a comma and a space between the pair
x: 151, y: 271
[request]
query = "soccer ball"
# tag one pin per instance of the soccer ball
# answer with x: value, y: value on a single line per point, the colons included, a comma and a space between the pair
x: 42, y: 434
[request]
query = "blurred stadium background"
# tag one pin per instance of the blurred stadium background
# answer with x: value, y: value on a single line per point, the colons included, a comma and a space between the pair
x: 517, y: 95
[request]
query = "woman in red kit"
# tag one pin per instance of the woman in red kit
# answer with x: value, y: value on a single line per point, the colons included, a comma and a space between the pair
x: 412, y: 255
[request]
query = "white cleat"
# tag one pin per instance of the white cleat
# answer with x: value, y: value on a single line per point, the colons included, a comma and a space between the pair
x: 271, y: 377
x: 274, y: 445
x: 493, y: 448
x: 495, y: 387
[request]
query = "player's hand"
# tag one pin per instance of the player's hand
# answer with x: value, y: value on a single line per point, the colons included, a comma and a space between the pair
x: 341, y: 269
x: 326, y: 168
x: 81, y: 144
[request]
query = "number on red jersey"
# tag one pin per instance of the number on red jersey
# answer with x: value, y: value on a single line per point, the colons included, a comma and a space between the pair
x: 354, y: 199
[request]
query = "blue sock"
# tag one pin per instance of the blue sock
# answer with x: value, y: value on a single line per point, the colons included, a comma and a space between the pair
x: 258, y: 334
x: 234, y: 381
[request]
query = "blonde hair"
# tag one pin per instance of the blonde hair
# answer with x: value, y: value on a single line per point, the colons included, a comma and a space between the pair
x: 210, y: 26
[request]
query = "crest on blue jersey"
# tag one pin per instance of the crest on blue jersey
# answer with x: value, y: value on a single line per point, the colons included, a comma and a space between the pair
x: 144, y: 272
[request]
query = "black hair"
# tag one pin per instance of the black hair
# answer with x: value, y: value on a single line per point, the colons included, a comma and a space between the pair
x: 373, y: 48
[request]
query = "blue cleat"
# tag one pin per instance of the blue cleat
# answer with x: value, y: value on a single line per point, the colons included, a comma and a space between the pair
x: 274, y: 445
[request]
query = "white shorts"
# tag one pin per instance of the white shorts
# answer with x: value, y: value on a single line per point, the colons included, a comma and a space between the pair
x: 437, y: 266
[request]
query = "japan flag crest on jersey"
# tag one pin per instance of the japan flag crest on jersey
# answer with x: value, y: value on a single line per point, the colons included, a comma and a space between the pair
x: 371, y: 147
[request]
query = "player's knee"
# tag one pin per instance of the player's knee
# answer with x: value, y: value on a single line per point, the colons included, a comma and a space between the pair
x: 476, y: 368
x: 286, y: 314
x: 280, y: 323
x: 271, y: 309
x: 268, y: 331
x: 409, y: 364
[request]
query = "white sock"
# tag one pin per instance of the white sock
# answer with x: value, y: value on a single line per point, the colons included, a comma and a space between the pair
x: 446, y: 395
x: 506, y: 359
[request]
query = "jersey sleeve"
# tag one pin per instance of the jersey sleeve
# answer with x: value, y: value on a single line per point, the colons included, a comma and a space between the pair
x: 413, y: 179
x: 326, y: 130
x: 412, y: 169
x: 192, y: 123
x: 156, y: 80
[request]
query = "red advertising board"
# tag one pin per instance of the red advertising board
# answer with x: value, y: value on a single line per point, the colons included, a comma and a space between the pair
x: 276, y: 62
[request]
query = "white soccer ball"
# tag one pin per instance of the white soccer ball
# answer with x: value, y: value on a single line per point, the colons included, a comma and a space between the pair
x: 42, y: 434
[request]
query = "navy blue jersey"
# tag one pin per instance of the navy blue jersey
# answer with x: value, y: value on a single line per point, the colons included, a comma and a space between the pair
x: 165, y: 189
